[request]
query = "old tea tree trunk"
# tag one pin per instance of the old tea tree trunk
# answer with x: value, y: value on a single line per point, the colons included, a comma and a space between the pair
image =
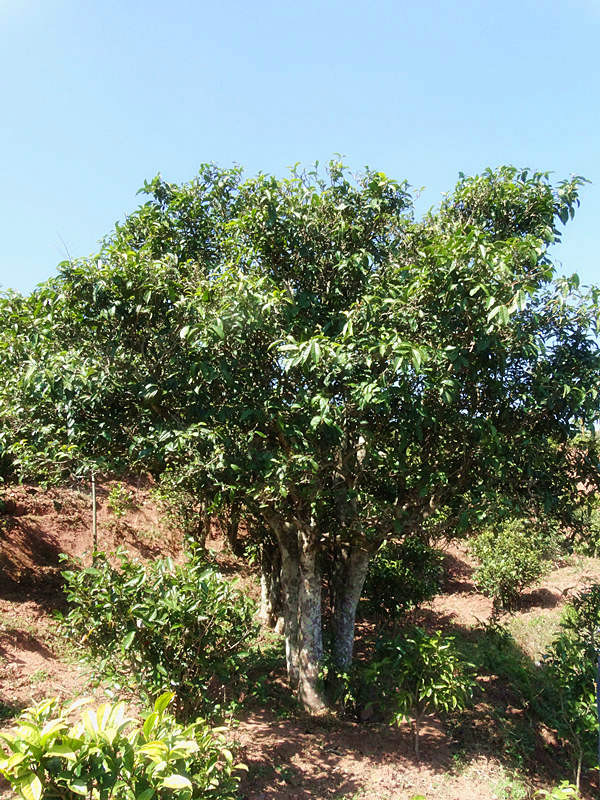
x: 300, y: 582
x: 295, y: 571
x: 349, y: 573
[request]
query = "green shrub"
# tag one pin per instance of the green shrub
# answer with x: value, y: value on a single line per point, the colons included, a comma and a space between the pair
x: 512, y: 556
x: 400, y: 577
x: 419, y: 673
x: 109, y: 755
x: 571, y: 667
x: 588, y: 540
x: 121, y: 499
x: 179, y: 627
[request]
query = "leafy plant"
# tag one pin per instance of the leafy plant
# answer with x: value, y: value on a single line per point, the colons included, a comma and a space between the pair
x: 512, y: 555
x: 106, y: 754
x: 184, y: 627
x: 419, y: 673
x: 571, y: 666
x: 121, y: 499
x: 588, y: 541
x: 401, y: 576
x: 564, y: 791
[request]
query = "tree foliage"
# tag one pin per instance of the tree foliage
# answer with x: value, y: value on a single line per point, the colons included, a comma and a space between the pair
x: 305, y: 349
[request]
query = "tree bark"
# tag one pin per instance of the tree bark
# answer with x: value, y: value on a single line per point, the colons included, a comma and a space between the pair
x: 271, y: 599
x: 311, y: 630
x: 349, y: 573
x: 287, y: 540
x: 302, y: 612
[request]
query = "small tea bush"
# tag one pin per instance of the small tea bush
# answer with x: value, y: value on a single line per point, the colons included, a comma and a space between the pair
x: 109, y: 755
x: 179, y: 627
x: 120, y: 500
x: 511, y: 557
x: 571, y: 667
x: 400, y: 577
x: 588, y: 542
x: 419, y: 673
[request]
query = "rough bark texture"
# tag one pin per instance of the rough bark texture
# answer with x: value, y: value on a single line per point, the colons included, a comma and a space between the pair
x: 311, y: 632
x: 290, y: 584
x: 349, y: 572
x: 301, y: 596
x: 201, y: 530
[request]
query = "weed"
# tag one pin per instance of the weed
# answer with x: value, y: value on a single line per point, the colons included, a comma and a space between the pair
x: 515, y: 701
x: 459, y: 761
x: 564, y: 791
x: 287, y: 774
x: 534, y: 633
x: 509, y: 787
x: 39, y: 676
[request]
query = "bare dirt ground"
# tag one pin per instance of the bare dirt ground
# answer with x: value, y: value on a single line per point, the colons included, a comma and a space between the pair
x: 289, y: 757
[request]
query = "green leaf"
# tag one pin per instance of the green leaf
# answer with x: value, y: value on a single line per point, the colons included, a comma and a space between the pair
x: 62, y: 750
x: 150, y: 724
x: 177, y: 782
x: 78, y: 786
x: 12, y: 761
x: 163, y: 701
x: 155, y: 749
x: 30, y: 786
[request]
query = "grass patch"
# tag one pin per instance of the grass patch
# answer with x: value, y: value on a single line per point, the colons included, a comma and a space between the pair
x: 510, y: 787
x: 39, y: 676
x: 534, y: 633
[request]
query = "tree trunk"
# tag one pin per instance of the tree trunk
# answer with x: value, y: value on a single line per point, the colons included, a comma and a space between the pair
x: 271, y: 599
x: 349, y: 573
x: 232, y: 527
x: 416, y: 726
x: 311, y: 630
x: 290, y: 585
x: 301, y: 594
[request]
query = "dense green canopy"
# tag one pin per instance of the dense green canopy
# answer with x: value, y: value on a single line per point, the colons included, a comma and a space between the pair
x: 308, y: 351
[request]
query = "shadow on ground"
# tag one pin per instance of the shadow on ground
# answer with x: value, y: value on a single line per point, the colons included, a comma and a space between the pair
x: 306, y: 759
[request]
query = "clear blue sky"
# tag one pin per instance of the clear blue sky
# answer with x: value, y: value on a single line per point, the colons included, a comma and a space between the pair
x: 98, y: 95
